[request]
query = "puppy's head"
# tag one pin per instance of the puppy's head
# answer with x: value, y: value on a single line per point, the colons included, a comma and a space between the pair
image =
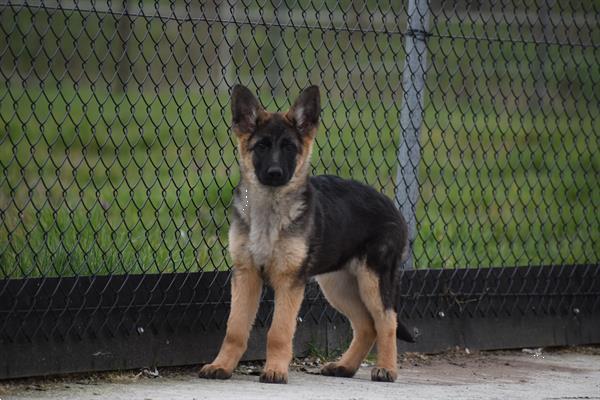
x: 275, y: 147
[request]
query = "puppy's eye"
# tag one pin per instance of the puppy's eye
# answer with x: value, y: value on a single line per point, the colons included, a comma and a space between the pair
x: 261, y: 146
x: 288, y: 146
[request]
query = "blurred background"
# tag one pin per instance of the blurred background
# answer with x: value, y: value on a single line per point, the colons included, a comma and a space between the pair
x: 116, y: 155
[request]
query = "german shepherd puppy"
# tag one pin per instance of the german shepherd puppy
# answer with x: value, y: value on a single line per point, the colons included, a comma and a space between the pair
x: 287, y: 227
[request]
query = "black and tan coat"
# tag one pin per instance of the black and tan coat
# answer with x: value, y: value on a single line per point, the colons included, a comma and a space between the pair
x: 288, y: 227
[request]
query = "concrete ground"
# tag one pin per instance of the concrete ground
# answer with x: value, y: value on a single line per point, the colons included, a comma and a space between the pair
x: 554, y: 374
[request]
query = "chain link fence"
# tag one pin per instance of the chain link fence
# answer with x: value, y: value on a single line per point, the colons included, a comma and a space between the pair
x: 117, y: 155
x: 480, y: 118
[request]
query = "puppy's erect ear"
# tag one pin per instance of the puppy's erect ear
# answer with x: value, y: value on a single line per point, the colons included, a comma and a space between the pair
x: 305, y: 111
x: 245, y: 110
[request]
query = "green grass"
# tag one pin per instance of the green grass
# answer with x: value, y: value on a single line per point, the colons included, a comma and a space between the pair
x: 101, y: 183
x: 85, y: 192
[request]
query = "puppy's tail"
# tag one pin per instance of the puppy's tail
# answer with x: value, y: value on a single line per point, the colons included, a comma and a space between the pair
x: 403, y: 333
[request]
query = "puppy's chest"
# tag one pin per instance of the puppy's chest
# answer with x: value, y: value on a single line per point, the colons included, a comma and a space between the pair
x: 269, y: 240
x: 264, y: 236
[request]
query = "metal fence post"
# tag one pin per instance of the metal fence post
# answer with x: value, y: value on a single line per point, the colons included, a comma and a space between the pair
x: 411, y: 115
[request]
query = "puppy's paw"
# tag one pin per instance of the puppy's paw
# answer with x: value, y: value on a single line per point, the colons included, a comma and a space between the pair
x: 379, y: 374
x: 212, y: 371
x: 273, y: 376
x: 336, y: 369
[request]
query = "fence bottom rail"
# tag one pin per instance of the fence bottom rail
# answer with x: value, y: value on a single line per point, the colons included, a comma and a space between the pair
x: 63, y: 325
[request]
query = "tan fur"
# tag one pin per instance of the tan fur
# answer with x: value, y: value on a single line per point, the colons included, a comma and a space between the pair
x: 282, y: 273
x: 270, y: 212
x: 341, y: 290
x: 246, y: 286
x: 281, y: 270
x: 238, y: 248
x: 302, y: 163
x: 267, y: 214
x: 245, y: 159
x: 288, y: 299
x: 265, y: 249
x: 262, y: 247
x: 385, y: 320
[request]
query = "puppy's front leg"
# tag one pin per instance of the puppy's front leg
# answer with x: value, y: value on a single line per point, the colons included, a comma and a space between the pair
x: 288, y: 298
x: 246, y: 286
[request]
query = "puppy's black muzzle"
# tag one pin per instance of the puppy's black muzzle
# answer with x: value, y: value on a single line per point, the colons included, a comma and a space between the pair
x: 274, y: 177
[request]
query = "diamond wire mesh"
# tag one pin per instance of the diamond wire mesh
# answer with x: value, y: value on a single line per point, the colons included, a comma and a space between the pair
x: 117, y: 159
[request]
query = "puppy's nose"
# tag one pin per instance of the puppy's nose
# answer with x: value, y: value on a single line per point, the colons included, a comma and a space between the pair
x: 275, y: 172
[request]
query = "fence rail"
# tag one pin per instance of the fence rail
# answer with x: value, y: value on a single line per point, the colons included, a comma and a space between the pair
x: 117, y: 167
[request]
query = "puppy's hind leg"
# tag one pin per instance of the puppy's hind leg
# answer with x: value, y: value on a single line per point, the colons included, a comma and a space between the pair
x: 385, y: 325
x: 341, y: 290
